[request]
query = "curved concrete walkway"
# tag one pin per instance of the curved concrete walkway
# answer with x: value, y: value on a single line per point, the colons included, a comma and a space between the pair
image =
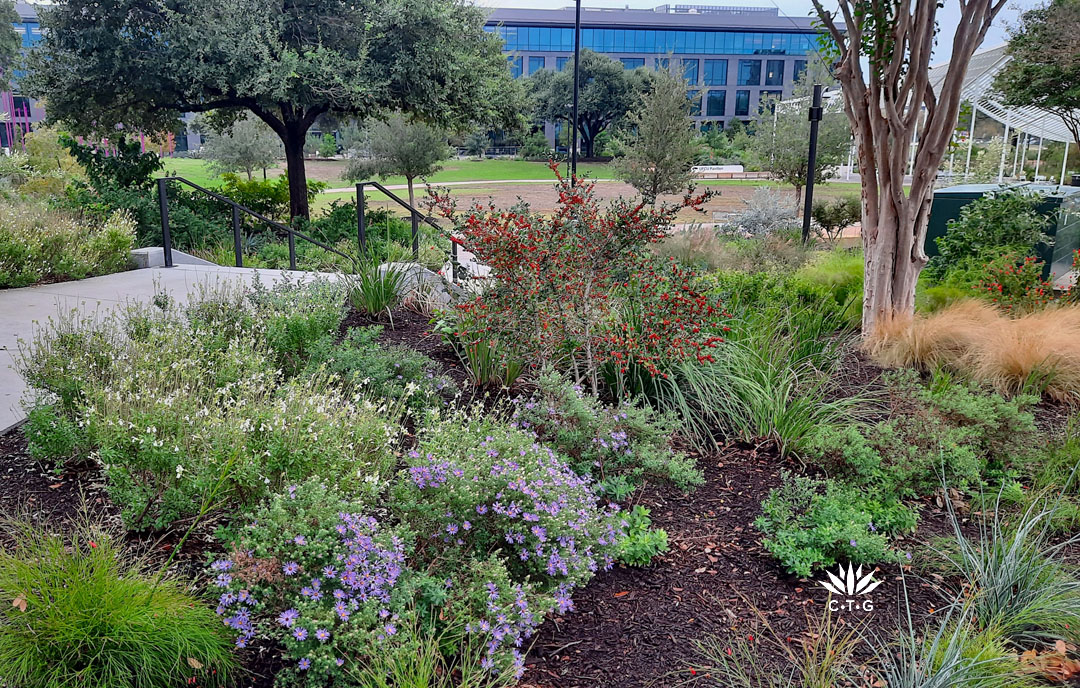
x: 22, y: 310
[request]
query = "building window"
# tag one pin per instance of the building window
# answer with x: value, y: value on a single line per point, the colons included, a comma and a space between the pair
x: 800, y: 69
x: 663, y: 63
x: 515, y: 65
x: 716, y: 72
x: 632, y: 62
x: 774, y: 72
x: 710, y: 126
x: 768, y: 99
x: 749, y: 72
x: 560, y: 63
x: 695, y: 102
x: 716, y: 104
x: 657, y: 41
x: 536, y: 63
x: 742, y: 103
x: 690, y: 71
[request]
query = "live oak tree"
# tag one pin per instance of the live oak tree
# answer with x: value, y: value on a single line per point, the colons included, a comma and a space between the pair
x: 398, y: 146
x: 884, y: 50
x: 661, y: 145
x: 606, y: 93
x: 138, y: 64
x: 1045, y: 67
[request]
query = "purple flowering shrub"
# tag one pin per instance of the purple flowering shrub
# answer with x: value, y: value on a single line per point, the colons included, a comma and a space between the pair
x: 315, y: 574
x: 622, y: 443
x: 346, y: 596
x: 479, y: 486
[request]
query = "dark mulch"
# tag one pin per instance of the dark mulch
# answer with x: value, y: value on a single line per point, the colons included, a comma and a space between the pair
x: 638, y: 626
x: 410, y: 329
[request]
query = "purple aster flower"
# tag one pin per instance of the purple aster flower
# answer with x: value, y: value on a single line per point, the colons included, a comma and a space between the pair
x: 304, y: 664
x: 288, y: 617
x: 300, y: 633
x: 290, y: 568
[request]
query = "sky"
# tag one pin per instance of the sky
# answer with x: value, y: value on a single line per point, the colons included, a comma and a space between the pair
x: 948, y: 15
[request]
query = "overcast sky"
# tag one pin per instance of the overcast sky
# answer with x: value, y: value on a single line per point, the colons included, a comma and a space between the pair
x: 948, y: 15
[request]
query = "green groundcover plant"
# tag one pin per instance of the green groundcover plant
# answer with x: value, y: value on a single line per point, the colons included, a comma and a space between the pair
x: 38, y: 244
x: 80, y: 611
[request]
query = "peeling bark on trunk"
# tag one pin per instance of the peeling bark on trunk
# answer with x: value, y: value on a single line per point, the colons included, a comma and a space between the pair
x: 886, y: 105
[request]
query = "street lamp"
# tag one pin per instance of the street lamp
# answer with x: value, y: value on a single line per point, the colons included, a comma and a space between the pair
x: 574, y: 123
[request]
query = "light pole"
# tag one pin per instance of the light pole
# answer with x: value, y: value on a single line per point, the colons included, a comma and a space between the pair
x: 815, y: 118
x: 574, y: 123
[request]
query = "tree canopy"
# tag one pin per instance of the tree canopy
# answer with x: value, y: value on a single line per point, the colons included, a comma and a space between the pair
x: 109, y: 63
x: 606, y: 93
x: 247, y: 145
x: 781, y: 144
x: 10, y: 43
x: 399, y: 146
x: 661, y: 144
x: 1045, y: 67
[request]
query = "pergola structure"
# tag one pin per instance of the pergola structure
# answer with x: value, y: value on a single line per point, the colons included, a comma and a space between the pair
x: 1030, y: 121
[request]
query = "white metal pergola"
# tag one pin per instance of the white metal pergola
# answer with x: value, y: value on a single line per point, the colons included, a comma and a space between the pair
x: 1032, y: 122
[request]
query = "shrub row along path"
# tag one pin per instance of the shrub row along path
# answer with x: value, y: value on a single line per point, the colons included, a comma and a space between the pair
x: 21, y: 310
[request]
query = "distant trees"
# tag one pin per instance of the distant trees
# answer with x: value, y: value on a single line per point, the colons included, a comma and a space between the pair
x: 607, y: 92
x: 781, y: 143
x: 10, y: 42
x: 398, y: 146
x: 143, y: 64
x: 1045, y: 67
x: 661, y: 143
x: 247, y: 145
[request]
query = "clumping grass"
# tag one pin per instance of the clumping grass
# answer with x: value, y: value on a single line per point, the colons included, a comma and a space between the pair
x: 40, y: 244
x: 375, y: 289
x: 772, y: 382
x: 1036, y: 352
x: 79, y: 611
x: 1022, y: 589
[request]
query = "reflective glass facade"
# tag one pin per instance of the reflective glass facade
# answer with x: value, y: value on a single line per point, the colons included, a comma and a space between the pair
x: 690, y: 70
x: 716, y: 72
x: 774, y: 72
x: 658, y: 41
x: 716, y: 104
x: 536, y: 63
x: 749, y: 73
x: 632, y: 62
x: 742, y: 103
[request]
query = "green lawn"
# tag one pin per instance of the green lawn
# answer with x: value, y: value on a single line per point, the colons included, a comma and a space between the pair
x: 189, y: 168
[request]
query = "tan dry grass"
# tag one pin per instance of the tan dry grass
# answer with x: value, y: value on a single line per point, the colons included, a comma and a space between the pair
x: 1039, y: 350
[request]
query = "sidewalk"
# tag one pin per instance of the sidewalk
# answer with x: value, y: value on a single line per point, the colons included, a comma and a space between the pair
x: 21, y: 310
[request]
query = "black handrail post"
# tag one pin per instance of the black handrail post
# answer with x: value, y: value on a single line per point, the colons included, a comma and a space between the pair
x: 236, y: 236
x: 415, y: 236
x: 453, y: 261
x: 361, y: 220
x: 166, y: 238
x: 292, y: 249
x: 811, y: 163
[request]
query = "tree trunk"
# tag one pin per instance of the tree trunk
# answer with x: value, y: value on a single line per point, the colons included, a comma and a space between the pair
x: 294, y: 162
x: 412, y: 199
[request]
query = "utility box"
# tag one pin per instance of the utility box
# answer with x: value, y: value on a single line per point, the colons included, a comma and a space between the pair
x: 1060, y: 205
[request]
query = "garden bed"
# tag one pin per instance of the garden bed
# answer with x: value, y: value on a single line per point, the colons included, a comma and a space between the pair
x: 630, y: 626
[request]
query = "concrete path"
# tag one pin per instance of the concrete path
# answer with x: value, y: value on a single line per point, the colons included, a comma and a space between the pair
x: 21, y: 310
x: 477, y: 182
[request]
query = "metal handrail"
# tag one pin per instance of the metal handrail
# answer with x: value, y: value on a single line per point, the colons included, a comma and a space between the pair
x: 414, y: 214
x: 166, y: 238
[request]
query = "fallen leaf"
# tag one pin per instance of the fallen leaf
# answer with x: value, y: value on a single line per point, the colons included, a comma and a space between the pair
x: 56, y: 485
x: 194, y: 663
x: 622, y: 593
x: 19, y: 603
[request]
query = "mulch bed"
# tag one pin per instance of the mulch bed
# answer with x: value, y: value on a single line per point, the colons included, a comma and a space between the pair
x: 630, y: 626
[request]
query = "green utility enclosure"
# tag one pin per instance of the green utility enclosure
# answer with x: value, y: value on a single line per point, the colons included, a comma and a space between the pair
x: 1060, y: 204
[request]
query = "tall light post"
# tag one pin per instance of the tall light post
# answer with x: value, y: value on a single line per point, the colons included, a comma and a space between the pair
x: 574, y: 117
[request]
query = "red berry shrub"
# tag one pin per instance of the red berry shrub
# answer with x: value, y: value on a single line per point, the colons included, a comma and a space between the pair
x: 579, y: 288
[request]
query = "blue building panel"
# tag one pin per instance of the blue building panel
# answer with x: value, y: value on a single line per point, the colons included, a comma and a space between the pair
x: 754, y: 48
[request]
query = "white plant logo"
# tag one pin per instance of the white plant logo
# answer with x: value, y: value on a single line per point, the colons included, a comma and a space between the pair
x: 849, y: 584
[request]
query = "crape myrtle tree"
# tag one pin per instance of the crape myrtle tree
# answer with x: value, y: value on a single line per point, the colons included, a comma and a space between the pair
x: 1045, y: 67
x: 606, y: 93
x: 139, y: 64
x: 883, y: 58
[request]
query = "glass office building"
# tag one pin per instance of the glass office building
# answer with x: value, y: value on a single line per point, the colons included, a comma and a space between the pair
x: 753, y: 49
